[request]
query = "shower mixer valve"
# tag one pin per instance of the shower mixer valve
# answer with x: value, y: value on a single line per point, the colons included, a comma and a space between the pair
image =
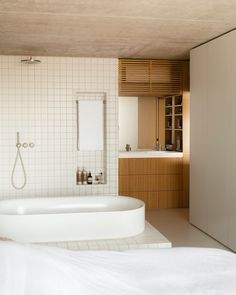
x: 25, y: 145
x: 19, y: 160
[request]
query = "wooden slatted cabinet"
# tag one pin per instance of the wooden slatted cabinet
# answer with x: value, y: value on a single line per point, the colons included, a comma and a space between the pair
x: 150, y: 77
x: 156, y: 181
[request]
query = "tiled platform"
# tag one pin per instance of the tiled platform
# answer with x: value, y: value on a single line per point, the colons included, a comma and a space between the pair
x: 150, y: 238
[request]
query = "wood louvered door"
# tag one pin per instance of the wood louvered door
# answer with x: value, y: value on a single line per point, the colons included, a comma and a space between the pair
x: 150, y: 77
x: 134, y: 77
x: 166, y: 77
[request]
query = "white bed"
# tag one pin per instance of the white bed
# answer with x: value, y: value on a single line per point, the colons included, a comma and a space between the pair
x: 37, y: 270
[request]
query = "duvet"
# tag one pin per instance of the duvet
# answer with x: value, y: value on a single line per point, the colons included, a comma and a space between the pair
x: 38, y: 270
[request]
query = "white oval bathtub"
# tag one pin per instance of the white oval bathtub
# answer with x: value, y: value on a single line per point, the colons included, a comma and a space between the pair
x: 71, y: 218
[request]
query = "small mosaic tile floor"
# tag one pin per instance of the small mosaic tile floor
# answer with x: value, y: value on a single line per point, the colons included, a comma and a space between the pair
x: 150, y: 238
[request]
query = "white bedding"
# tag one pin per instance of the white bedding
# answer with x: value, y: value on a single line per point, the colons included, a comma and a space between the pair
x: 37, y: 270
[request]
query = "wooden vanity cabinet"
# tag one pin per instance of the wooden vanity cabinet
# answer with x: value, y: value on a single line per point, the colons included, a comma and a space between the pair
x: 156, y: 181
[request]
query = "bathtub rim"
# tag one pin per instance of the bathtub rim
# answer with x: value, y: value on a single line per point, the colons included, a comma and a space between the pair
x: 43, y: 199
x: 78, y: 226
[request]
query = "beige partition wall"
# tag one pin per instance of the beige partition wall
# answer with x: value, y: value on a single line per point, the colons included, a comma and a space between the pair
x: 213, y: 140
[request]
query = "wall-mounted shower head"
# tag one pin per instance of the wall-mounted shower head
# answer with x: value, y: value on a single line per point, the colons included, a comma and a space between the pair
x: 31, y: 61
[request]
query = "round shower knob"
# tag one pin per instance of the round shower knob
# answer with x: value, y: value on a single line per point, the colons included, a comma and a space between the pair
x: 31, y: 145
x: 25, y: 145
x: 18, y: 145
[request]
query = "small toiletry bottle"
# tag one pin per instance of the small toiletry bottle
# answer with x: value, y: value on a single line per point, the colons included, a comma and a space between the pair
x: 178, y: 144
x: 78, y: 176
x: 179, y: 124
x: 89, y: 178
x: 101, y: 178
x: 157, y: 145
x: 82, y: 176
x: 97, y: 178
x: 85, y: 177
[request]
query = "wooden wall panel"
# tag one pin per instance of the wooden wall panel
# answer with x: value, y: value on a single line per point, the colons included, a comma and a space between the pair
x: 147, y: 122
x: 153, y: 200
x: 141, y: 196
x: 163, y: 199
x: 174, y: 199
x: 123, y: 193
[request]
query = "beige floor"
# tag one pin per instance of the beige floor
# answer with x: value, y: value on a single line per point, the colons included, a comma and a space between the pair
x: 174, y: 225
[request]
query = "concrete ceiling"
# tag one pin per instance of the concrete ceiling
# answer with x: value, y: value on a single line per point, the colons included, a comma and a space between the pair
x: 112, y: 28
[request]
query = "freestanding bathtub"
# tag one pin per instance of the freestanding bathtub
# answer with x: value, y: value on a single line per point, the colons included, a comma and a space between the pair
x: 71, y: 218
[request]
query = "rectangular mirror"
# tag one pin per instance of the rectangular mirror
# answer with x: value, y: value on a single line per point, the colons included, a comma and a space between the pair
x: 138, y: 122
x: 151, y: 122
x: 90, y: 122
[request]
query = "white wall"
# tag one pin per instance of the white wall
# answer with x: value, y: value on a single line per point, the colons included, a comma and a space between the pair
x: 39, y: 102
x: 128, y: 122
x: 213, y: 140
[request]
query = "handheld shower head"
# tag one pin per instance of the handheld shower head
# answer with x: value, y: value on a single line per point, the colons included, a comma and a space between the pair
x: 30, y: 61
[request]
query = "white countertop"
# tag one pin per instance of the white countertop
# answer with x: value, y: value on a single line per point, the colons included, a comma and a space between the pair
x: 149, y: 154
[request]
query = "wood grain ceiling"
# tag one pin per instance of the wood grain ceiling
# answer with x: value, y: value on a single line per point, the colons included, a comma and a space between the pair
x: 108, y: 28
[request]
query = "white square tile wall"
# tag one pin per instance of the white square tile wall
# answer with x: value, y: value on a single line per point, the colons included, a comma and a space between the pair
x: 39, y: 102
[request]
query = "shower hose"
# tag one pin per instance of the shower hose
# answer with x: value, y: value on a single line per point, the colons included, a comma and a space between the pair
x: 18, y: 158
